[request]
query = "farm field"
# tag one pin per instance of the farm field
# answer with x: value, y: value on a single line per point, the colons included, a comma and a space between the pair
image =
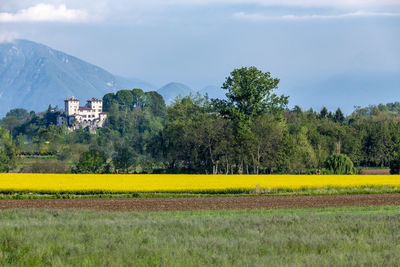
x: 89, y: 183
x: 205, y: 203
x: 303, y: 237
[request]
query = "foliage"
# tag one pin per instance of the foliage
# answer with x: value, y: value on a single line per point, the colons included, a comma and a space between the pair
x: 250, y: 132
x: 126, y: 100
x: 395, y: 165
x: 92, y: 161
x: 249, y: 95
x: 339, y: 164
x: 123, y: 159
x: 7, y: 151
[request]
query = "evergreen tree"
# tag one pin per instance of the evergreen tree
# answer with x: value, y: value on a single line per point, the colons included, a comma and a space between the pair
x: 339, y: 117
x: 323, y: 113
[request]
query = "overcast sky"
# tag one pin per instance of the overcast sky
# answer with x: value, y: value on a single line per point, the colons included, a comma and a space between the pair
x: 198, y: 42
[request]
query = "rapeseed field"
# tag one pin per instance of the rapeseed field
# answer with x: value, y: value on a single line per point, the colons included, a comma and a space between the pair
x: 182, y: 183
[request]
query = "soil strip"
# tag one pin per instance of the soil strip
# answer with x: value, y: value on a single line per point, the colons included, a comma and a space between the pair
x: 205, y: 203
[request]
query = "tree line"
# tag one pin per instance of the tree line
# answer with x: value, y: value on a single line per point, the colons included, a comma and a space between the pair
x: 251, y: 131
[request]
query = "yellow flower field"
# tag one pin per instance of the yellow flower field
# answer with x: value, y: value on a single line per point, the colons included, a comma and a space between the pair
x: 182, y: 183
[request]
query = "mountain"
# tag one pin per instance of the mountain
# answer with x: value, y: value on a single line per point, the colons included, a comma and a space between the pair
x: 33, y: 75
x: 170, y: 91
x: 213, y: 92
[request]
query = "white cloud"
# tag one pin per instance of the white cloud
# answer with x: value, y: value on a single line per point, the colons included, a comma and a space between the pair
x: 360, y: 13
x: 133, y: 4
x: 45, y: 13
x: 358, y: 4
x: 7, y: 37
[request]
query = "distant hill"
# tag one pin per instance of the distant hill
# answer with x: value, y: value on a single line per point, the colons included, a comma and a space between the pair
x: 170, y: 91
x: 131, y: 83
x: 33, y: 75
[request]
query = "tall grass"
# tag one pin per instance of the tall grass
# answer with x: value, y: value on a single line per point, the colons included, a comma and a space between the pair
x: 334, y: 236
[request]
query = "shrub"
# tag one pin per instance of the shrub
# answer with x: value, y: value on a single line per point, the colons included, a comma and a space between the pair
x: 339, y: 164
x: 92, y: 161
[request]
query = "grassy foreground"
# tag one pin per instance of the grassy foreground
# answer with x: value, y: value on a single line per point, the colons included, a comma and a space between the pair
x: 332, y: 236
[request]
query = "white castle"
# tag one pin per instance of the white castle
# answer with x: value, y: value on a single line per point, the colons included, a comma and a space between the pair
x: 91, y: 115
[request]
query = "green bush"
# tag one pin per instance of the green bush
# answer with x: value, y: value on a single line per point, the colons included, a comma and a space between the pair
x: 92, y: 161
x: 339, y: 164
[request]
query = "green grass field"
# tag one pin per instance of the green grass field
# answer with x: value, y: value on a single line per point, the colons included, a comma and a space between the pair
x: 309, y: 237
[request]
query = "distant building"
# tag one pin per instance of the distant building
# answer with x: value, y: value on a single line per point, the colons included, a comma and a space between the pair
x: 89, y: 116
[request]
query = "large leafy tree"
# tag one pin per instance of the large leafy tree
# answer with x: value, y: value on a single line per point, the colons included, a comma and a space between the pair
x: 124, y: 99
x: 250, y: 93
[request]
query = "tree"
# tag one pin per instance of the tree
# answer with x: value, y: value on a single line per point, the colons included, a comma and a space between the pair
x: 297, y: 109
x: 249, y: 95
x: 138, y: 98
x: 124, y: 99
x: 323, y: 113
x: 91, y: 161
x: 7, y: 151
x: 156, y: 103
x: 123, y: 159
x: 339, y: 164
x: 10, y: 123
x: 108, y: 101
x: 20, y: 113
x: 267, y: 150
x: 339, y: 117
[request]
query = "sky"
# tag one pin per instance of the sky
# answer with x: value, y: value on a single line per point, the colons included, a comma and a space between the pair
x: 305, y: 43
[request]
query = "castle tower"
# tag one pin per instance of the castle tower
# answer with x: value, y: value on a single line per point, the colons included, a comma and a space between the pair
x: 96, y: 105
x: 71, y: 106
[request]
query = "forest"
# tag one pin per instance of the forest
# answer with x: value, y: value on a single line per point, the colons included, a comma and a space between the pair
x: 251, y: 131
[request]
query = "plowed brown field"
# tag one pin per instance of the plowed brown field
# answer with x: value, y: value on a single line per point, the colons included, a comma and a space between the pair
x: 205, y: 203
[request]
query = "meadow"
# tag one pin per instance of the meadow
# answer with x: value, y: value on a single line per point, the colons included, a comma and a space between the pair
x: 112, y: 183
x: 302, y: 237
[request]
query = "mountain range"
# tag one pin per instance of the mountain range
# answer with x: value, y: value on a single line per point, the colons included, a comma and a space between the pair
x: 33, y: 75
